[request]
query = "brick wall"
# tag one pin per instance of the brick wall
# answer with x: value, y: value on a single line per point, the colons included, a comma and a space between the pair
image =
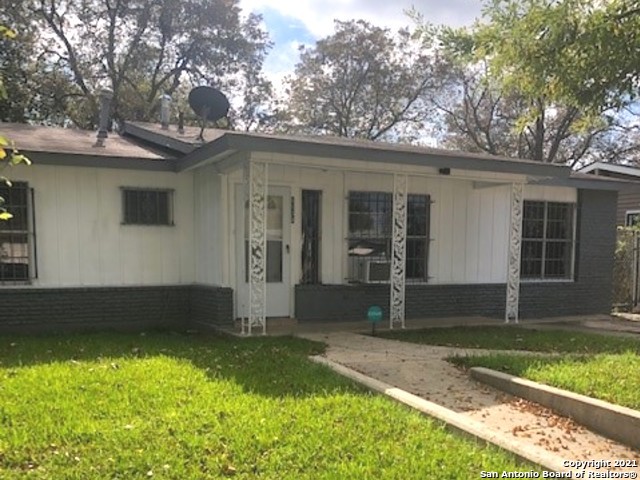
x: 211, y: 306
x: 350, y: 302
x: 33, y: 310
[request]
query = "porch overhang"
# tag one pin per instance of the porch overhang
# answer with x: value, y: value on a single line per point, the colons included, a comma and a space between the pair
x: 345, y: 149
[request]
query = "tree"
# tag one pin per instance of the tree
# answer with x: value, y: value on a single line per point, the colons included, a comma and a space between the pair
x: 582, y: 53
x: 479, y: 116
x: 488, y: 104
x: 363, y: 82
x: 140, y: 49
x: 9, y: 154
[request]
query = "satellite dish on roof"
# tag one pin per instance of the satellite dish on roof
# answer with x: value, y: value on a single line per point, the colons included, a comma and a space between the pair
x: 209, y: 104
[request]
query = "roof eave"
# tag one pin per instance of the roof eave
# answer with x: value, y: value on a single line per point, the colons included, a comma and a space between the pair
x: 100, y: 161
x: 239, y: 142
x: 213, y: 151
x: 586, y: 184
x: 158, y: 139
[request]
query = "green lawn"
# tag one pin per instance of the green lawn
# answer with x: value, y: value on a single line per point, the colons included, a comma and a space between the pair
x: 614, y: 378
x: 169, y: 406
x: 517, y: 338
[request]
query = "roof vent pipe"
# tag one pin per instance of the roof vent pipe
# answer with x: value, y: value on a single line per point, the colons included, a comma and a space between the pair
x: 165, y: 111
x: 181, y: 122
x: 105, y: 106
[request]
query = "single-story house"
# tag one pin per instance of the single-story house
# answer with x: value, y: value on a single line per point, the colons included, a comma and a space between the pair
x: 153, y: 227
x: 628, y: 213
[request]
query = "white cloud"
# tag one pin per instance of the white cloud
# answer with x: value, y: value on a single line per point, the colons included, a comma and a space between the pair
x: 299, y: 22
x: 318, y: 15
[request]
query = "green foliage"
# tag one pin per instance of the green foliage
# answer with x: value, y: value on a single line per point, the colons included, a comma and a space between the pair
x: 613, y: 378
x: 361, y: 82
x: 517, y: 338
x: 182, y: 407
x: 5, y: 34
x: 624, y: 265
x: 138, y: 49
x: 544, y: 80
x: 9, y: 154
x: 578, y: 52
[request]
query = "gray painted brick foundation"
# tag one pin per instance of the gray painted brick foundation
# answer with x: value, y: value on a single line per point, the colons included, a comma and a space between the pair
x: 36, y: 310
x: 589, y: 293
x: 211, y: 306
x: 335, y: 303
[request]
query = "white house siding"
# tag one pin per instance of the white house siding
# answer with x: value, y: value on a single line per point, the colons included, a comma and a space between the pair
x: 210, y: 225
x: 80, y: 238
x: 469, y: 225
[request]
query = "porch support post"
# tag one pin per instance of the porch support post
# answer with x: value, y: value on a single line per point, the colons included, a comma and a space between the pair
x: 398, y: 251
x: 255, y: 174
x: 515, y: 249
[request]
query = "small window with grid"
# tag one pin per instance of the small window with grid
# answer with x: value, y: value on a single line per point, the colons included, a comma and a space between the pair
x: 547, y: 240
x: 632, y: 218
x: 147, y: 206
x: 15, y: 258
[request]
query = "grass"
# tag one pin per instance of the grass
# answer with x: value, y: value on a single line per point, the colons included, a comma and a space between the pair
x: 517, y: 338
x: 600, y: 366
x: 108, y: 406
x: 610, y: 377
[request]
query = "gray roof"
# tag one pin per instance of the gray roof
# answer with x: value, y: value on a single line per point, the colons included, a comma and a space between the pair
x: 37, y: 138
x: 144, y: 146
x: 604, y: 168
x: 596, y: 182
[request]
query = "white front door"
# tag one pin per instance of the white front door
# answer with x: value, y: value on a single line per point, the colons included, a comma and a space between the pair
x: 278, y: 252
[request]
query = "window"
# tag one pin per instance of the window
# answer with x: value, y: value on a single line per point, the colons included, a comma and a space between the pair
x: 147, y: 206
x: 547, y: 240
x: 632, y: 218
x: 14, y: 233
x: 275, y: 233
x: 370, y: 230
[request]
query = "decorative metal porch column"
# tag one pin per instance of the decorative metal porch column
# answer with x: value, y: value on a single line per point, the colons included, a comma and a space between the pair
x: 398, y: 251
x: 515, y: 249
x: 255, y: 183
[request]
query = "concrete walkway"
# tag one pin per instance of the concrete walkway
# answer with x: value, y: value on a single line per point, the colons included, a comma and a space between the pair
x: 422, y: 370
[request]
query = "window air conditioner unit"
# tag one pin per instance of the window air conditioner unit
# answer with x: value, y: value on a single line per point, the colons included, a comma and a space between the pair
x: 374, y: 271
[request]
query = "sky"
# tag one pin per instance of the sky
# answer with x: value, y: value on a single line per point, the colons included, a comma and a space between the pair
x: 292, y: 23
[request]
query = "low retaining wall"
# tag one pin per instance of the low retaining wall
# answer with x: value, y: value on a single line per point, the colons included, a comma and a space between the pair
x: 613, y: 421
x: 454, y: 420
x: 40, y: 310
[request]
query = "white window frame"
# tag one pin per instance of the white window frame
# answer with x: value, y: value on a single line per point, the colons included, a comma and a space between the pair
x: 572, y: 269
